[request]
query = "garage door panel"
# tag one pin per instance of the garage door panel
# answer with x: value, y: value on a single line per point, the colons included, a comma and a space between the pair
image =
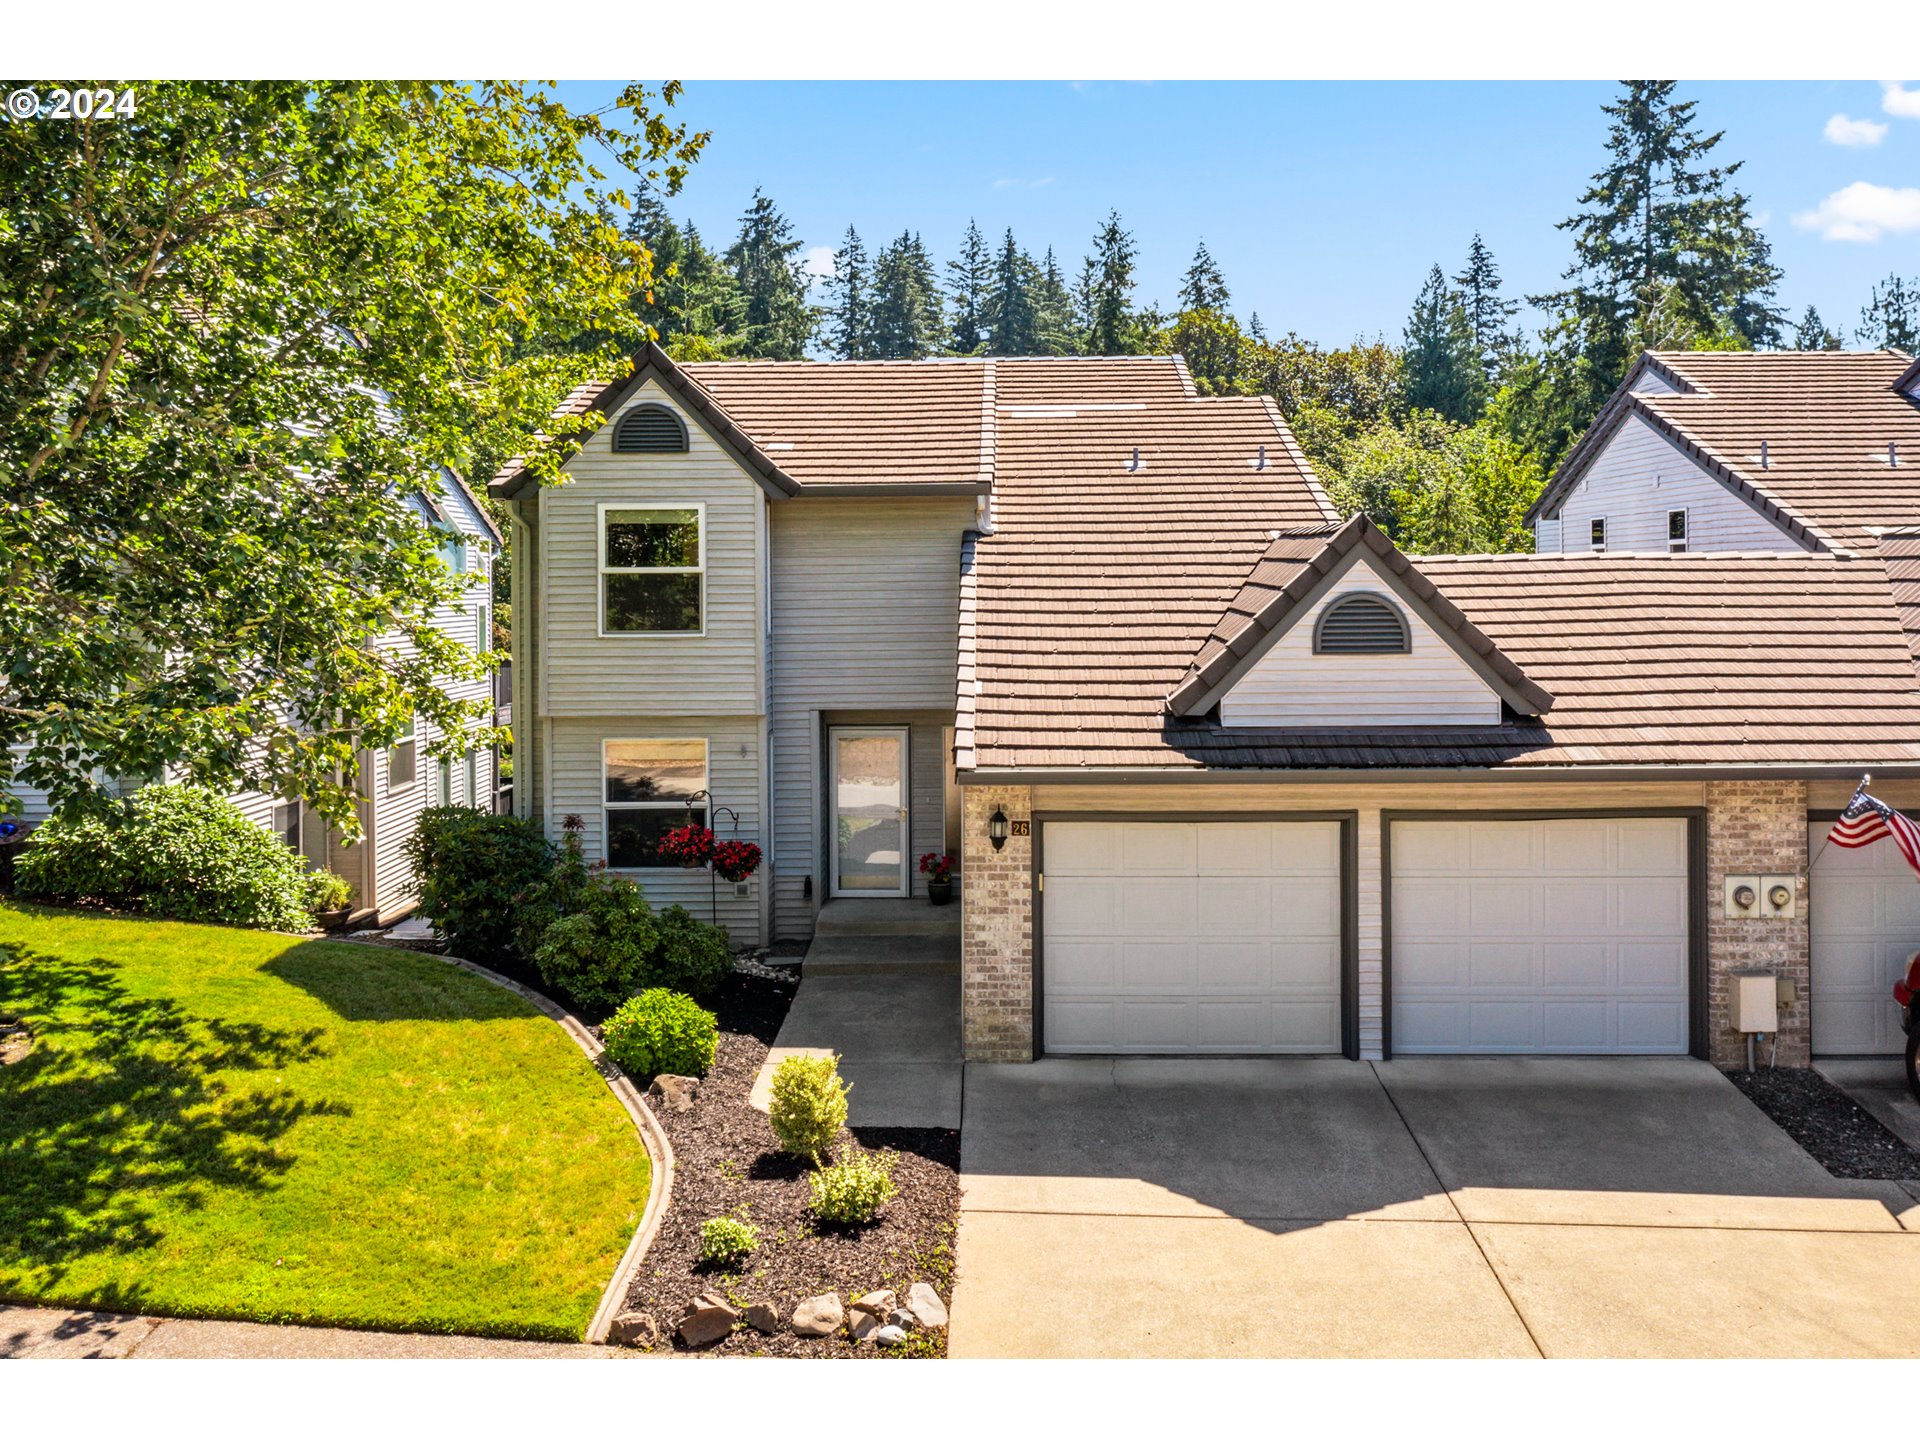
x: 1166, y: 939
x: 1551, y: 936
x: 1863, y: 923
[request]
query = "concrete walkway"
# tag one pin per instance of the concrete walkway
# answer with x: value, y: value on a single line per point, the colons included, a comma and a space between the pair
x: 1417, y: 1208
x: 1878, y: 1085
x: 880, y: 987
x: 28, y: 1333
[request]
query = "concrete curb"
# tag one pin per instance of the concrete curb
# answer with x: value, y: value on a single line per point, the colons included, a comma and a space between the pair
x: 659, y: 1150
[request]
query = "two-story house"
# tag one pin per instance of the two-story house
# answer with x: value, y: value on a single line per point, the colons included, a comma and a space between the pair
x: 1228, y: 775
x: 396, y: 784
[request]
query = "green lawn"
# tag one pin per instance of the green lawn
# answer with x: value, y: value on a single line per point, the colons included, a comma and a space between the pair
x: 231, y: 1123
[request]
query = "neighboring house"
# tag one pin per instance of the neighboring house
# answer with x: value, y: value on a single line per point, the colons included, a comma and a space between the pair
x: 1742, y: 450
x: 396, y: 784
x: 1228, y: 775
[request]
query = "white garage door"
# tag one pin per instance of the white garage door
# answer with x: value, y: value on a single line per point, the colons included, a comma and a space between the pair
x: 1864, y: 922
x: 1216, y: 937
x: 1539, y: 936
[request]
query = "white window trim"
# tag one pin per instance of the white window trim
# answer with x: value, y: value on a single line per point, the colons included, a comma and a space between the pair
x: 699, y: 507
x: 1680, y: 546
x: 411, y: 738
x: 1601, y: 521
x: 606, y: 830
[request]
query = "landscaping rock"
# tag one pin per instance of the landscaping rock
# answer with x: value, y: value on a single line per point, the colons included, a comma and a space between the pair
x: 674, y: 1092
x: 927, y: 1307
x: 887, y: 1336
x: 634, y: 1327
x: 863, y: 1324
x: 903, y: 1319
x: 874, y: 1302
x: 708, y: 1319
x: 818, y: 1315
x: 763, y: 1317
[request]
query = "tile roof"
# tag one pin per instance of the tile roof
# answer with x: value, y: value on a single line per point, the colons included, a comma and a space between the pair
x: 1827, y: 418
x: 1712, y: 660
x: 1290, y: 574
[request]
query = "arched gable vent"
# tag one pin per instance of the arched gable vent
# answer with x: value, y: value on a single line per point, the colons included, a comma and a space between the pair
x: 650, y: 430
x: 1361, y: 625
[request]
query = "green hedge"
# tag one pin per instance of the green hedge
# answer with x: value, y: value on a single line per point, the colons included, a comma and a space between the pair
x: 474, y: 870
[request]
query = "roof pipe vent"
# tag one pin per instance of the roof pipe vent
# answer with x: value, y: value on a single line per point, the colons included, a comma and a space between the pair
x: 1763, y: 456
x: 1134, y: 464
x: 1262, y: 463
x: 1893, y: 452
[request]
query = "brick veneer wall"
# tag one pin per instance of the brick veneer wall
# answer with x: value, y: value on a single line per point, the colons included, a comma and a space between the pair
x: 1756, y: 827
x: 996, y: 929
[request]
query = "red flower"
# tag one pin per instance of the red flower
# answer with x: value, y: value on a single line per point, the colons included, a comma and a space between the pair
x: 736, y: 859
x: 937, y: 866
x: 690, y: 845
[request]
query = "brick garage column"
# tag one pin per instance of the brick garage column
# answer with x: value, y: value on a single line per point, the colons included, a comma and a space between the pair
x: 996, y: 929
x: 1756, y: 827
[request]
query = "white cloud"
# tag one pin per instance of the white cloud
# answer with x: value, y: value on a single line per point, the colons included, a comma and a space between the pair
x: 1896, y: 99
x: 819, y: 262
x: 1864, y: 212
x: 1844, y: 130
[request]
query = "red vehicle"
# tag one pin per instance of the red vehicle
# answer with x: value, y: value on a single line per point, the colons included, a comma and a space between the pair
x: 1907, y: 991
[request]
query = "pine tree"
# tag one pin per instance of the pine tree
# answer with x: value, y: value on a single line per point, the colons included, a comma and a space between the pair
x: 1203, y: 288
x: 1012, y: 304
x: 1890, y: 320
x: 1812, y: 333
x: 968, y: 281
x: 779, y: 321
x: 1487, y: 310
x: 1443, y: 363
x: 694, y: 304
x: 1256, y: 332
x: 849, y: 325
x: 1053, y: 324
x: 1110, y: 282
x: 906, y: 318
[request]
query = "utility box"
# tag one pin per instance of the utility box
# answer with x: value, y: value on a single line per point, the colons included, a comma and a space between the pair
x: 1755, y: 1002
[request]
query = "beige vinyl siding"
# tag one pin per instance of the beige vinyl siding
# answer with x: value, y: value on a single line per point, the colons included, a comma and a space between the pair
x: 1368, y: 801
x: 1651, y: 383
x: 717, y: 672
x: 1636, y: 480
x: 865, y: 610
x: 1429, y: 685
x: 733, y: 775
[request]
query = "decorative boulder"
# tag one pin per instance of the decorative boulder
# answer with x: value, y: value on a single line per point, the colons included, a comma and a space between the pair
x: 763, y: 1317
x: 927, y: 1307
x: 634, y: 1327
x: 819, y: 1315
x: 708, y: 1319
x: 674, y: 1092
x: 887, y: 1336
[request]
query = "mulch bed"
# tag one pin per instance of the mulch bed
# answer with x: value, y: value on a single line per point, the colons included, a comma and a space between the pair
x: 1844, y: 1138
x: 727, y: 1162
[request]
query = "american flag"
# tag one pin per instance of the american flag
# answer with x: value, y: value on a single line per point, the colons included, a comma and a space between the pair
x: 1867, y: 820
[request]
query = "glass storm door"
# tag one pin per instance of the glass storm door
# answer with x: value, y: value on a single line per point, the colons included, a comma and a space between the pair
x: 868, y: 782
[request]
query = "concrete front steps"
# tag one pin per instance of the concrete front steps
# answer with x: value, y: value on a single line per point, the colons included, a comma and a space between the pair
x: 885, y: 937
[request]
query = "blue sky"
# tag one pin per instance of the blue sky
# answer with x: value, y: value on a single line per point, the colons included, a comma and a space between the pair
x: 1324, y: 203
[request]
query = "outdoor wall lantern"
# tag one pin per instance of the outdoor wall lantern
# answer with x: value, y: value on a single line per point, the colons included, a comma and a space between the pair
x: 997, y: 828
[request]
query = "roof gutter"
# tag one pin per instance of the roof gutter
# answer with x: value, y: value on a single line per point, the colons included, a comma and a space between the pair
x: 1169, y: 775
x: 895, y: 489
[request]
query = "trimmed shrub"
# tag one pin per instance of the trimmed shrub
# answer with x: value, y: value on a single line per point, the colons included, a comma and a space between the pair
x: 690, y: 955
x: 726, y: 1241
x: 809, y: 1103
x: 473, y: 868
x: 851, y: 1191
x: 172, y: 851
x: 660, y: 1033
x: 596, y: 956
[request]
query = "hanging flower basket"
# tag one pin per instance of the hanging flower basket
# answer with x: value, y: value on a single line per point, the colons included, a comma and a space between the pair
x: 690, y: 847
x: 735, y: 860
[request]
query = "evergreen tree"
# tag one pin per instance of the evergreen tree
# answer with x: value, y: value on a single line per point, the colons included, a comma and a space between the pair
x: 1443, y: 362
x: 1256, y: 332
x: 1812, y: 333
x: 969, y: 279
x: 1890, y: 320
x: 1203, y: 288
x: 1053, y: 323
x: 1109, y: 285
x: 1487, y: 310
x: 778, y: 320
x: 1013, y: 307
x: 849, y: 323
x: 906, y: 318
x: 693, y: 307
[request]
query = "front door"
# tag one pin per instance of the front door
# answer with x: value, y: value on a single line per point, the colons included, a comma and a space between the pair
x: 868, y: 782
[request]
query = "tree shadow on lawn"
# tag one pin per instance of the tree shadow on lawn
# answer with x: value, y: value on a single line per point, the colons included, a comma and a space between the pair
x: 122, y: 1112
x: 365, y: 982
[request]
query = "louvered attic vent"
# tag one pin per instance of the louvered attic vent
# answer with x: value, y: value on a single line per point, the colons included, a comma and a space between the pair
x: 649, y: 430
x: 1361, y: 625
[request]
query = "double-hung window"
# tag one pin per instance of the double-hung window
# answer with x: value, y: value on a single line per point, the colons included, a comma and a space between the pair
x: 1598, y: 534
x: 652, y: 569
x: 1676, y: 531
x: 470, y: 790
x: 647, y: 784
x: 443, y: 781
x: 403, y: 757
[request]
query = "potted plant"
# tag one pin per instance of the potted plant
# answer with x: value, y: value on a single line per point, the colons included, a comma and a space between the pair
x: 330, y: 898
x: 690, y: 846
x: 937, y: 866
x: 735, y: 860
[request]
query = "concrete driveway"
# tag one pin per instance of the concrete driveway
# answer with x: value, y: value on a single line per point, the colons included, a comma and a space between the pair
x: 1454, y: 1207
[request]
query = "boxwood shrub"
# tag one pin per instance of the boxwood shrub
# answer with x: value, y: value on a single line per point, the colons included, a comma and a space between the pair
x: 473, y: 869
x: 660, y: 1033
x: 174, y: 851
